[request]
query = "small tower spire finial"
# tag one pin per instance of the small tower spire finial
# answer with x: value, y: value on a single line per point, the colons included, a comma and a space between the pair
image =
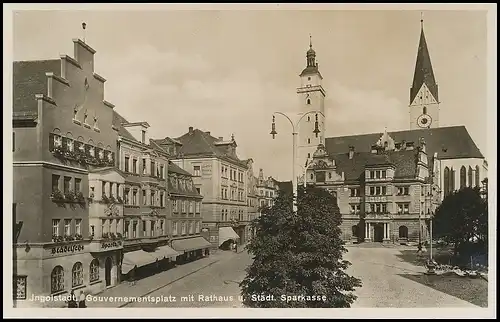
x: 84, y: 26
x: 422, y: 20
x: 310, y: 41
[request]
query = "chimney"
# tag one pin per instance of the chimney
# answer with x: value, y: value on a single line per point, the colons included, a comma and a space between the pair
x: 351, y: 152
x: 207, y: 132
x: 191, y: 130
x: 221, y: 138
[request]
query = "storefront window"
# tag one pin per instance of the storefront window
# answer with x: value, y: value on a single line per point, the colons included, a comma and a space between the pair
x: 57, y: 279
x: 77, y: 273
x: 94, y: 270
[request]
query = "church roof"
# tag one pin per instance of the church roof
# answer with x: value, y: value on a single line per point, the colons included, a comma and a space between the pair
x: 310, y: 70
x: 452, y: 142
x: 424, y: 73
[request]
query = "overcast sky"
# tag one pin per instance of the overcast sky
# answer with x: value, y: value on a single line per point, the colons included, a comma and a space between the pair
x: 228, y: 71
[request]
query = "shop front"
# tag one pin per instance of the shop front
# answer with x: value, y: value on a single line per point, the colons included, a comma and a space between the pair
x: 144, y: 262
x: 191, y: 248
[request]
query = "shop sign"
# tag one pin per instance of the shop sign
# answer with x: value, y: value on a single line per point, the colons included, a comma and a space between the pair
x: 65, y: 249
x: 111, y: 244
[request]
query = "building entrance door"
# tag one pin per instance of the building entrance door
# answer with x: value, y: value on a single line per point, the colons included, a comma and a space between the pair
x: 108, y: 265
x: 378, y: 232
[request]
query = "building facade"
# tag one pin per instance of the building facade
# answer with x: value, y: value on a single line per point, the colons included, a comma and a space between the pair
x: 62, y: 136
x: 252, y: 197
x: 186, y: 220
x: 144, y: 193
x: 220, y: 176
x: 267, y: 190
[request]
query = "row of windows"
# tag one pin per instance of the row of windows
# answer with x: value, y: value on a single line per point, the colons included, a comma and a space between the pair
x: 380, y: 208
x: 266, y: 203
x: 269, y: 194
x: 235, y: 195
x: 71, y: 226
x: 378, y: 174
x: 57, y: 281
x: 148, y: 228
x: 379, y: 191
x: 155, y: 169
x: 156, y: 197
x: 183, y: 184
x: 68, y: 144
x: 186, y: 227
x: 186, y: 206
x: 225, y: 215
x: 68, y: 184
x: 234, y: 175
x: 470, y: 178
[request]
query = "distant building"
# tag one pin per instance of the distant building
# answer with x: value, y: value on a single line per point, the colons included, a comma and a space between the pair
x: 267, y: 190
x: 220, y: 176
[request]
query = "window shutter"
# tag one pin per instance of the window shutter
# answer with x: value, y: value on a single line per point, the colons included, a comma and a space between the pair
x: 51, y: 142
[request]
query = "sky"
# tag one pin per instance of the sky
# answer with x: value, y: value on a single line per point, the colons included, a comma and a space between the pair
x: 227, y: 71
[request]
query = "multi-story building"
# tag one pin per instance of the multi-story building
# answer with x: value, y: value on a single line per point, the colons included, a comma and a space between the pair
x: 381, y: 193
x: 186, y: 219
x: 267, y: 190
x: 63, y: 141
x: 220, y: 176
x: 252, y: 197
x: 144, y: 191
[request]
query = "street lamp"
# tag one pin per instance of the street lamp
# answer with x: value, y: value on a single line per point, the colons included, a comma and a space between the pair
x: 294, y: 144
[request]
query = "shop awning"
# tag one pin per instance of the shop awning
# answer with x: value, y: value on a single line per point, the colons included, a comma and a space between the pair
x: 227, y: 233
x: 137, y: 258
x: 189, y: 244
x: 167, y: 252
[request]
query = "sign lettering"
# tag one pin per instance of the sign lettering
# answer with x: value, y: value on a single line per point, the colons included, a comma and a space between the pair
x: 111, y: 244
x: 66, y: 249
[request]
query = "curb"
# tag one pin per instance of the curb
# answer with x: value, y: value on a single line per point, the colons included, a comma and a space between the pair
x: 171, y: 282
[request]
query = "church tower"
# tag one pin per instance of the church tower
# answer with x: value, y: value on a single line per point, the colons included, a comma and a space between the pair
x: 424, y: 98
x: 311, y: 99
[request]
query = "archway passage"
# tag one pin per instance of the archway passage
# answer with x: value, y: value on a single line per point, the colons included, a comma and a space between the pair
x: 378, y: 233
x: 107, y: 271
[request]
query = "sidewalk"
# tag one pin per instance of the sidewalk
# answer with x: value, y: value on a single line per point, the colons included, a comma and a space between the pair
x: 150, y: 284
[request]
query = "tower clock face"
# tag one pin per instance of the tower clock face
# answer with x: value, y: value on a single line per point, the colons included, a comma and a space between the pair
x: 424, y: 121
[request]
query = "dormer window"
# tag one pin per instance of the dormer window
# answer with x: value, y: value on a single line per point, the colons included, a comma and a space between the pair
x: 75, y: 112
x: 57, y: 141
x: 92, y: 151
x: 85, y: 118
x: 70, y: 145
x: 101, y: 154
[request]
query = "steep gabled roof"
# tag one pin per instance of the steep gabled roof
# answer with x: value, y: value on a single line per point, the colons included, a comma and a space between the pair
x: 199, y: 143
x: 405, y: 163
x: 452, y: 142
x: 118, y: 122
x: 424, y: 73
x: 29, y: 79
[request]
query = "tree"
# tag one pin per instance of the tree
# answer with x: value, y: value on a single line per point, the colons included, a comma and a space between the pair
x: 462, y: 220
x: 299, y: 254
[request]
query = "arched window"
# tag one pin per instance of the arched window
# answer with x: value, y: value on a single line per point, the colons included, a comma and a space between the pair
x: 463, y: 177
x: 469, y: 179
x: 452, y: 180
x: 355, y: 231
x: 308, y: 101
x: 403, y: 232
x: 446, y: 181
x: 77, y: 274
x: 424, y: 110
x: 308, y: 119
x: 477, y: 176
x: 94, y: 270
x: 57, y: 279
x: 308, y: 141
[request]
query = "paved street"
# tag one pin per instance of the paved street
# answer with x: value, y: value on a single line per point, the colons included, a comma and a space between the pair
x: 382, y: 272
x: 218, y: 280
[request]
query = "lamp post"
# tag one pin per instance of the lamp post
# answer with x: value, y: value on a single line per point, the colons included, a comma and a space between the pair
x: 295, y: 126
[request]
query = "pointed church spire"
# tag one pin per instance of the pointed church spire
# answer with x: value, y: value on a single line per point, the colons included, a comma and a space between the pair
x: 424, y: 73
